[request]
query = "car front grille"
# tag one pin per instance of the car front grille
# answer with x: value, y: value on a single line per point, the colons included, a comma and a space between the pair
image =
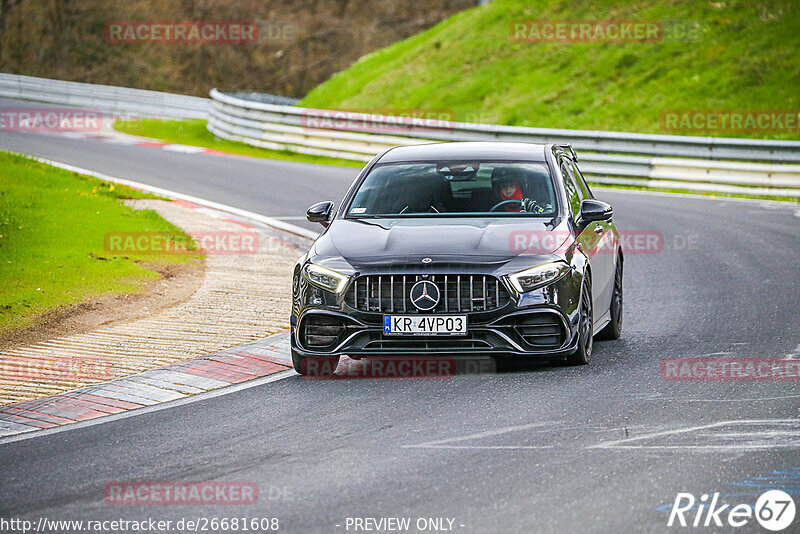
x: 458, y: 293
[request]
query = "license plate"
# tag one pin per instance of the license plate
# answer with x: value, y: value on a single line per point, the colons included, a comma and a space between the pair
x: 425, y: 325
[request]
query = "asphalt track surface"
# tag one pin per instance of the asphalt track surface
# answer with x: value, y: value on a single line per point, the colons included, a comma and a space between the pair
x: 537, y: 450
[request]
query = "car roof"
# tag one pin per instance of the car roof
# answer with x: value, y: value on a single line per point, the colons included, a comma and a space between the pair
x: 502, y: 151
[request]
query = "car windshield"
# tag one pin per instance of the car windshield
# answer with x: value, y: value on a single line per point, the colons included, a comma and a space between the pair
x: 455, y: 189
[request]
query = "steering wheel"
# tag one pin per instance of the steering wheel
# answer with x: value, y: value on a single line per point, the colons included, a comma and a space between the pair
x: 506, y: 202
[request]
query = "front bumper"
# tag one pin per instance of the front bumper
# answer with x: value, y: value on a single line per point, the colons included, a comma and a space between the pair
x: 537, y: 324
x: 503, y: 336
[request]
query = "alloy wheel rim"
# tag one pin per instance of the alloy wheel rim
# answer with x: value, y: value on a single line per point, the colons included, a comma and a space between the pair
x: 586, y: 322
x: 618, y: 295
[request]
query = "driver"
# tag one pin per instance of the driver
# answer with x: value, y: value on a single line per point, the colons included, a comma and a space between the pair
x: 507, y: 186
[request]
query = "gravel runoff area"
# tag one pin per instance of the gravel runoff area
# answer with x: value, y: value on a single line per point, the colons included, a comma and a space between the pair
x: 245, y: 295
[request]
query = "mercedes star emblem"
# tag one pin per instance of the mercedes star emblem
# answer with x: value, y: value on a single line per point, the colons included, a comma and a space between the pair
x: 424, y: 295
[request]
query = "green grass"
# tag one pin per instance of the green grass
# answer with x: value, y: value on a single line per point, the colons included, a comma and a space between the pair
x: 794, y: 200
x: 745, y: 59
x: 194, y: 132
x: 53, y: 225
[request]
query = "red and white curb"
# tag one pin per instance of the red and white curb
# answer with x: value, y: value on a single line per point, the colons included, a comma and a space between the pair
x: 171, y: 383
x: 118, y: 138
x: 219, y: 373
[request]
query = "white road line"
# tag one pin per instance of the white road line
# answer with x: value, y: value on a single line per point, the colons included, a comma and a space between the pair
x: 186, y: 149
x: 758, y: 434
x: 764, y: 438
x: 37, y: 433
x: 491, y: 447
x: 487, y: 433
x: 759, y: 399
x: 621, y: 443
x: 732, y: 447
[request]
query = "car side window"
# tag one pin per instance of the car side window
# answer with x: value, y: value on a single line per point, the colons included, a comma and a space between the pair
x: 581, y: 181
x: 573, y: 195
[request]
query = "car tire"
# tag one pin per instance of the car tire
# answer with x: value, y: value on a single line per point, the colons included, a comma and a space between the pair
x: 314, y: 366
x: 583, y: 353
x: 613, y: 330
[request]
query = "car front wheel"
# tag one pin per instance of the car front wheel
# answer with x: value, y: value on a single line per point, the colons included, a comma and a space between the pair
x: 583, y: 353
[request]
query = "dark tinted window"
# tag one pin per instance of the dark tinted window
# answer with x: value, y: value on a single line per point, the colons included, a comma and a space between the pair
x: 455, y: 188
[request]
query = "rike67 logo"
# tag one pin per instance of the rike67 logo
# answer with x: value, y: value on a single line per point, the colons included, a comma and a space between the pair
x: 774, y: 510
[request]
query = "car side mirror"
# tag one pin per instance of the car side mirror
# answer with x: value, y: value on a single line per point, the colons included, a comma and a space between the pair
x: 320, y: 213
x: 595, y: 210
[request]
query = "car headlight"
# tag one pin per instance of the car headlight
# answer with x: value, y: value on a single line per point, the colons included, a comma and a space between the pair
x: 539, y: 276
x: 325, y: 278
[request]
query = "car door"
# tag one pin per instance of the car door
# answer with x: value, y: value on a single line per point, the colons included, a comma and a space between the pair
x: 594, y: 240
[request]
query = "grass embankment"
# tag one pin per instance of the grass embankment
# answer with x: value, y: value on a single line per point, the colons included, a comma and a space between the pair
x: 53, y: 225
x: 738, y: 55
x: 194, y: 132
x: 744, y: 57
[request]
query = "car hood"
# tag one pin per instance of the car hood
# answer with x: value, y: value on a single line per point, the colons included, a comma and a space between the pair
x: 365, y: 243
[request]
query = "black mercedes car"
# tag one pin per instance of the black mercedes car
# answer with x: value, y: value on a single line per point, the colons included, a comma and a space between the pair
x: 469, y: 249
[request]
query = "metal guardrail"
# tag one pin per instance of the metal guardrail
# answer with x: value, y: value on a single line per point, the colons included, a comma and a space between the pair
x: 265, y: 98
x: 105, y: 98
x: 710, y: 164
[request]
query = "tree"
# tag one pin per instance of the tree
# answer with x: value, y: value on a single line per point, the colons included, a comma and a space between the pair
x: 5, y: 7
